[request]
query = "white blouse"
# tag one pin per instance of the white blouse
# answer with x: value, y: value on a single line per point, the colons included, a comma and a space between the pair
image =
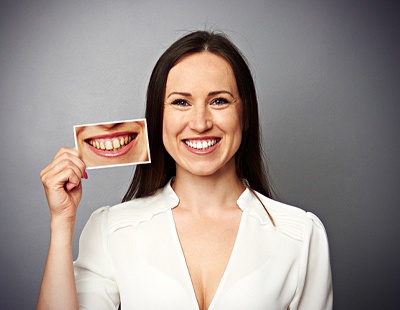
x: 131, y: 253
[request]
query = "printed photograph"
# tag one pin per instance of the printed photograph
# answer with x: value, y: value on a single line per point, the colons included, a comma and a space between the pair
x: 111, y: 144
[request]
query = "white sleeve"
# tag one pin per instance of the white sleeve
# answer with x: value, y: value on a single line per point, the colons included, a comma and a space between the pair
x: 93, y: 272
x: 315, y: 280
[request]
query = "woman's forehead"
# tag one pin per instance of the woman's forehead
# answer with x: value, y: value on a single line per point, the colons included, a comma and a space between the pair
x: 201, y: 70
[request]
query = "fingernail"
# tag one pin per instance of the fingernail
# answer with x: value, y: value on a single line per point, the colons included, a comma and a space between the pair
x: 85, y: 175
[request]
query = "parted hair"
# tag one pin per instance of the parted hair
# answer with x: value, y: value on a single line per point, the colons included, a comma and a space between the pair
x: 148, y: 178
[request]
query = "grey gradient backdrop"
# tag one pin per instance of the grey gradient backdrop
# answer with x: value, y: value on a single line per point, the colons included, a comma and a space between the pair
x: 327, y: 74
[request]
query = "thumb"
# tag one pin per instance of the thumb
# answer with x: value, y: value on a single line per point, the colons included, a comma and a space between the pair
x: 70, y: 186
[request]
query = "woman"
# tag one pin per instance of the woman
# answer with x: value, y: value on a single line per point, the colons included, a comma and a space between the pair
x: 201, y: 232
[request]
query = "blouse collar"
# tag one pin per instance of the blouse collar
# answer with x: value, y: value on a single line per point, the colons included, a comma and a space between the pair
x: 247, y: 201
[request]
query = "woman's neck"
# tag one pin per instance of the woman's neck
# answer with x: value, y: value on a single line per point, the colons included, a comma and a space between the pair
x: 204, y: 194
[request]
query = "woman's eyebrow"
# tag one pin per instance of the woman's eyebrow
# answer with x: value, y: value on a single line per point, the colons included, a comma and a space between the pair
x: 219, y: 92
x: 213, y: 93
x: 179, y: 94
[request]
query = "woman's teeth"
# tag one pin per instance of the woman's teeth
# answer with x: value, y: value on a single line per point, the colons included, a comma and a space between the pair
x: 200, y: 145
x: 111, y: 144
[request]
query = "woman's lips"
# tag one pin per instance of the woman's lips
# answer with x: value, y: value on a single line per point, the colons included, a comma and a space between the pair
x: 112, y: 145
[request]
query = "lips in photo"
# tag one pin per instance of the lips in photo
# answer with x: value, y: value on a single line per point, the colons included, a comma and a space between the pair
x: 113, y: 143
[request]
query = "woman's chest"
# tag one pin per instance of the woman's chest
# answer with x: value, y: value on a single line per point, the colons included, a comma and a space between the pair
x: 207, y: 245
x: 151, y: 270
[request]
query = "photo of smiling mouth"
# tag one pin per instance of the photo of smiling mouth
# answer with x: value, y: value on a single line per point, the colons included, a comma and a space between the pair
x: 112, y: 146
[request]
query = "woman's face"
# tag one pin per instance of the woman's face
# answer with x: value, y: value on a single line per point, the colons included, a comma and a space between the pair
x: 112, y: 144
x: 202, y: 124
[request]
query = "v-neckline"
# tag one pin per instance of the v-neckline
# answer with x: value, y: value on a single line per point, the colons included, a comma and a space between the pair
x: 187, y: 276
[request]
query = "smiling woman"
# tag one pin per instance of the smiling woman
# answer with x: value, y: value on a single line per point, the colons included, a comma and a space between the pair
x: 108, y: 144
x: 197, y: 228
x: 202, y: 126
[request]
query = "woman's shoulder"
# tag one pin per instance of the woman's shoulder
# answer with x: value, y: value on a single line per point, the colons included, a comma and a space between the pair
x: 136, y: 211
x: 289, y: 220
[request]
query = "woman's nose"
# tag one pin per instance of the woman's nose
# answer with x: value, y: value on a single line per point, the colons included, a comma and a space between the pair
x: 109, y: 126
x: 200, y: 120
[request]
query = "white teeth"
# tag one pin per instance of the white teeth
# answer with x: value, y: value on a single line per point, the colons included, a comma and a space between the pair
x: 200, y: 145
x: 110, y: 145
x: 116, y: 144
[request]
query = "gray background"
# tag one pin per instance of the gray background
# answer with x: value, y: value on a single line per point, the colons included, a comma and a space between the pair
x: 327, y: 74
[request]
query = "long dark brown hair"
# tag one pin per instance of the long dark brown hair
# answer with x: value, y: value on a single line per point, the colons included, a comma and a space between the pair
x: 249, y: 161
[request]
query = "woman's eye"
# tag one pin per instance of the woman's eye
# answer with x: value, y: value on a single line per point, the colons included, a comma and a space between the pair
x: 180, y: 102
x: 219, y: 101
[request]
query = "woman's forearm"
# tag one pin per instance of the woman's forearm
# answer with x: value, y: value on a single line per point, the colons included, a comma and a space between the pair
x: 58, y: 289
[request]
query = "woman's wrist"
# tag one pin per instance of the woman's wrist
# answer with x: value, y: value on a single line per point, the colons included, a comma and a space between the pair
x: 62, y: 229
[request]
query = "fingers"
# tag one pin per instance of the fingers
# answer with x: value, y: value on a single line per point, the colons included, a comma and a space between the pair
x: 70, y: 186
x: 63, y: 153
x: 66, y: 169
